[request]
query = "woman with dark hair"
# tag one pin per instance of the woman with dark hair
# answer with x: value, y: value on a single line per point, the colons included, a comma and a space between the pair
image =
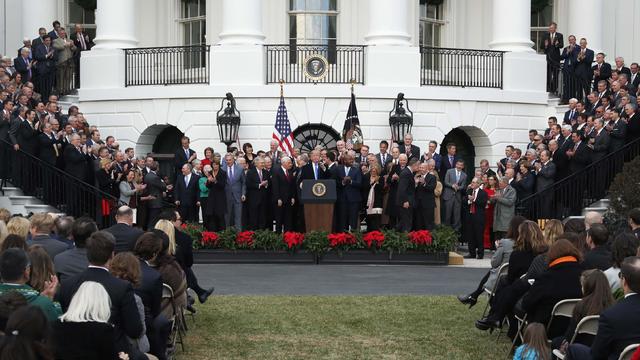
x: 41, y: 268
x: 501, y: 256
x: 596, y: 297
x: 208, y: 157
x: 26, y: 333
x: 624, y: 245
x: 525, y: 181
x: 13, y: 241
x: 217, y: 207
x: 171, y: 273
x: 490, y: 188
x: 247, y: 149
x: 561, y: 281
x: 129, y: 190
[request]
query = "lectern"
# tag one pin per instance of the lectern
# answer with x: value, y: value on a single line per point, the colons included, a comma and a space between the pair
x: 318, y: 198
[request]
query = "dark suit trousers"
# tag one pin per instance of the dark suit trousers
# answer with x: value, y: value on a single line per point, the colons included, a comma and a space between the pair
x: 192, y: 281
x: 424, y: 218
x: 349, y: 215
x: 578, y: 351
x: 283, y: 216
x: 152, y: 217
x: 373, y: 222
x: 189, y: 212
x: 476, y: 232
x: 405, y: 219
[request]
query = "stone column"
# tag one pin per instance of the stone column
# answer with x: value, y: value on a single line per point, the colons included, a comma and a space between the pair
x: 390, y: 57
x: 240, y: 45
x: 115, y: 24
x: 588, y: 25
x: 37, y: 14
x: 512, y: 26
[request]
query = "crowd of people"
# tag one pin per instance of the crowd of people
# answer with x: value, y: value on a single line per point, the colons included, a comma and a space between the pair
x: 534, y: 269
x: 70, y: 291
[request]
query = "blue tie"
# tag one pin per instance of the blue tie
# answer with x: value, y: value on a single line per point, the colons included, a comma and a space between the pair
x: 315, y: 171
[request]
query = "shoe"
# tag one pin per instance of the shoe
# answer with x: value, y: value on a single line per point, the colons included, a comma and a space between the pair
x: 467, y: 300
x: 480, y: 257
x: 470, y: 256
x: 205, y: 295
x: 487, y: 324
x: 191, y: 309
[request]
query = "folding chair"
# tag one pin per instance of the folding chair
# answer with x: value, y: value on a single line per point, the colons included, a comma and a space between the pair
x: 563, y: 309
x: 175, y: 335
x: 502, y: 271
x: 587, y: 326
x: 628, y: 352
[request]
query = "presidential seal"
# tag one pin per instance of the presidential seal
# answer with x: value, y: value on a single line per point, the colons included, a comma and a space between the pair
x: 319, y: 189
x: 315, y: 67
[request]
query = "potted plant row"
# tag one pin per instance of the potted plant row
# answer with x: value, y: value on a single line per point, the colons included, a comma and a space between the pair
x: 375, y: 247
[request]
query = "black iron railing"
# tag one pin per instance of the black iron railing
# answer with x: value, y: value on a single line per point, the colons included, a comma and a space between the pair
x: 55, y: 187
x: 461, y: 67
x: 563, y: 82
x: 568, y: 196
x: 67, y: 79
x: 287, y: 62
x: 173, y: 65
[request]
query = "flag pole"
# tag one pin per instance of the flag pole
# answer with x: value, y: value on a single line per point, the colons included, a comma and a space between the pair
x: 353, y: 83
x: 281, y: 87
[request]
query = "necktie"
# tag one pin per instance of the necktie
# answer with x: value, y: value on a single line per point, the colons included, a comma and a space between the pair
x: 260, y: 175
x: 457, y: 176
x: 575, y: 147
x: 346, y: 171
x: 315, y: 171
x: 82, y: 44
x: 384, y: 158
x: 451, y: 160
x: 473, y: 202
x: 186, y: 181
x: 186, y: 153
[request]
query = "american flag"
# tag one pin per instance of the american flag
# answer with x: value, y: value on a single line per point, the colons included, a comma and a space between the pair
x: 282, y: 130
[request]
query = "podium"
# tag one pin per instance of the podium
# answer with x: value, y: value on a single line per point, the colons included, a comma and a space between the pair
x: 318, y: 198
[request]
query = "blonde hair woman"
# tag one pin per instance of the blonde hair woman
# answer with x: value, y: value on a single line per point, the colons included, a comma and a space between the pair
x: 3, y: 232
x: 167, y: 227
x: 553, y: 229
x: 19, y: 226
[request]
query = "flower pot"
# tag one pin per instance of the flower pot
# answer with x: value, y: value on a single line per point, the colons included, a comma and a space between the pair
x: 221, y: 256
x: 359, y: 256
x: 420, y: 258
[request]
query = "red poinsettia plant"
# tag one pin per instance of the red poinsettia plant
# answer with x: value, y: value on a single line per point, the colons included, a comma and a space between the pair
x: 341, y: 239
x: 373, y: 239
x: 293, y: 239
x: 209, y: 239
x: 244, y: 239
x: 421, y: 238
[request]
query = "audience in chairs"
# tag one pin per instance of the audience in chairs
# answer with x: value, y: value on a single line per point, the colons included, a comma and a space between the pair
x: 624, y: 245
x: 25, y: 335
x: 169, y: 268
x: 535, y: 346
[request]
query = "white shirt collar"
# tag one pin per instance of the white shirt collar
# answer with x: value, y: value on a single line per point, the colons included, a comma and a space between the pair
x: 630, y: 294
x: 98, y: 267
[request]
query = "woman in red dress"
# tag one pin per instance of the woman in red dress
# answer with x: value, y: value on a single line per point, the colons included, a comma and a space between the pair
x: 490, y: 186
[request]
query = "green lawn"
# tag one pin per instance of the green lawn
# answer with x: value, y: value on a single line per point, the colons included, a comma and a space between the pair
x: 339, y: 327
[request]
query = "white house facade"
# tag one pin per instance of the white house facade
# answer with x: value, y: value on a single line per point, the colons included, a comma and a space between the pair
x: 483, y: 99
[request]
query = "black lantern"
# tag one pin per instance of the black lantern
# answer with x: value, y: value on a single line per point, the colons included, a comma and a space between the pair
x: 400, y: 119
x: 228, y: 120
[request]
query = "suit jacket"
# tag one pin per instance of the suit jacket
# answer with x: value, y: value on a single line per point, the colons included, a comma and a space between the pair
x: 283, y: 187
x: 307, y: 172
x: 155, y: 187
x: 75, y: 162
x: 53, y: 35
x: 605, y: 73
x: 597, y: 258
x: 235, y: 187
x: 351, y: 192
x: 617, y: 329
x: 570, y: 57
x: 601, y: 146
x: 180, y: 158
x: 436, y: 157
x: 257, y: 195
x: 480, y: 204
x: 581, y: 159
x: 634, y: 82
x: 583, y: 67
x: 415, y: 151
x: 445, y: 165
x: 63, y: 53
x: 387, y: 160
x: 26, y: 137
x: 76, y: 41
x: 46, y: 147
x: 22, y: 68
x: 633, y: 127
x: 124, y: 311
x: 525, y: 186
x: 546, y: 176
x: 36, y: 42
x: 552, y: 49
x: 449, y: 180
x: 184, y: 249
x: 425, y: 197
x: 52, y: 246
x: 568, y: 116
x: 45, y: 65
x: 70, y: 263
x: 406, y: 188
x: 186, y: 194
x: 126, y: 236
x: 84, y: 340
x: 625, y: 70
x: 150, y: 291
x: 504, y: 209
x: 618, y: 135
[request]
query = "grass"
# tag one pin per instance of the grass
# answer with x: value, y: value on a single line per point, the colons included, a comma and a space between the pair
x: 337, y: 327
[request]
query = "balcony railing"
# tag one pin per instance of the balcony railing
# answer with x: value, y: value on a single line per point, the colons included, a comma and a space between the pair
x: 287, y: 62
x: 461, y: 67
x: 173, y: 65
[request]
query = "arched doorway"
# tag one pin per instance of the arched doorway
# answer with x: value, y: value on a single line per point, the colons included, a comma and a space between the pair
x: 167, y: 141
x: 464, y: 147
x: 308, y: 136
x: 160, y: 141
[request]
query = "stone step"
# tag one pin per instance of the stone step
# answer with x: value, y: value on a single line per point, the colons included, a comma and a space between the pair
x: 11, y: 191
x: 23, y: 200
x: 39, y: 208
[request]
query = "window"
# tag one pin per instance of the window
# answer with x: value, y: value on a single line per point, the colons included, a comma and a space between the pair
x: 81, y: 16
x: 193, y: 18
x: 313, y: 22
x: 431, y: 22
x: 541, y: 17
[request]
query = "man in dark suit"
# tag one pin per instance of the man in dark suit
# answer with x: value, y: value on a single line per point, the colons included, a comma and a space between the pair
x: 124, y: 311
x: 579, y: 155
x: 258, y: 186
x: 383, y: 157
x: 274, y: 153
x: 634, y: 78
x: 618, y: 325
x: 75, y: 159
x: 621, y: 68
x: 406, y: 196
x: 601, y: 70
x: 570, y: 57
x: 45, y: 55
x: 155, y: 190
x: 56, y: 30
x: 23, y: 65
x: 184, y: 155
x: 572, y: 113
x: 412, y: 151
x: 41, y: 228
x: 600, y: 143
x: 598, y: 256
x: 123, y: 231
x: 449, y: 161
x: 38, y: 41
x: 425, y: 199
x: 361, y: 158
x: 545, y: 177
x: 552, y: 42
x: 283, y: 193
x: 349, y: 189
x: 26, y: 134
x: 74, y: 261
x: 617, y: 129
x: 633, y: 122
x: 502, y: 164
x: 583, y: 69
x: 82, y: 43
x: 186, y: 194
x: 47, y: 145
x: 314, y: 170
x: 477, y: 201
x: 453, y: 185
x: 432, y: 154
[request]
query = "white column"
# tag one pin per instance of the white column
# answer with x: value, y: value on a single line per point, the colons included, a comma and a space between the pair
x: 115, y: 24
x: 388, y: 23
x: 241, y: 22
x: 512, y: 26
x: 588, y: 25
x: 37, y: 14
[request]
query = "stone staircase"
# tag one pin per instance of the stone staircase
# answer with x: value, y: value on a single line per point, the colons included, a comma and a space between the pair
x: 66, y: 101
x: 12, y: 199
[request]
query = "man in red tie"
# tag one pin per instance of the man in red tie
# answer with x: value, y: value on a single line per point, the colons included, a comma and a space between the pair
x: 477, y: 200
x: 83, y: 42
